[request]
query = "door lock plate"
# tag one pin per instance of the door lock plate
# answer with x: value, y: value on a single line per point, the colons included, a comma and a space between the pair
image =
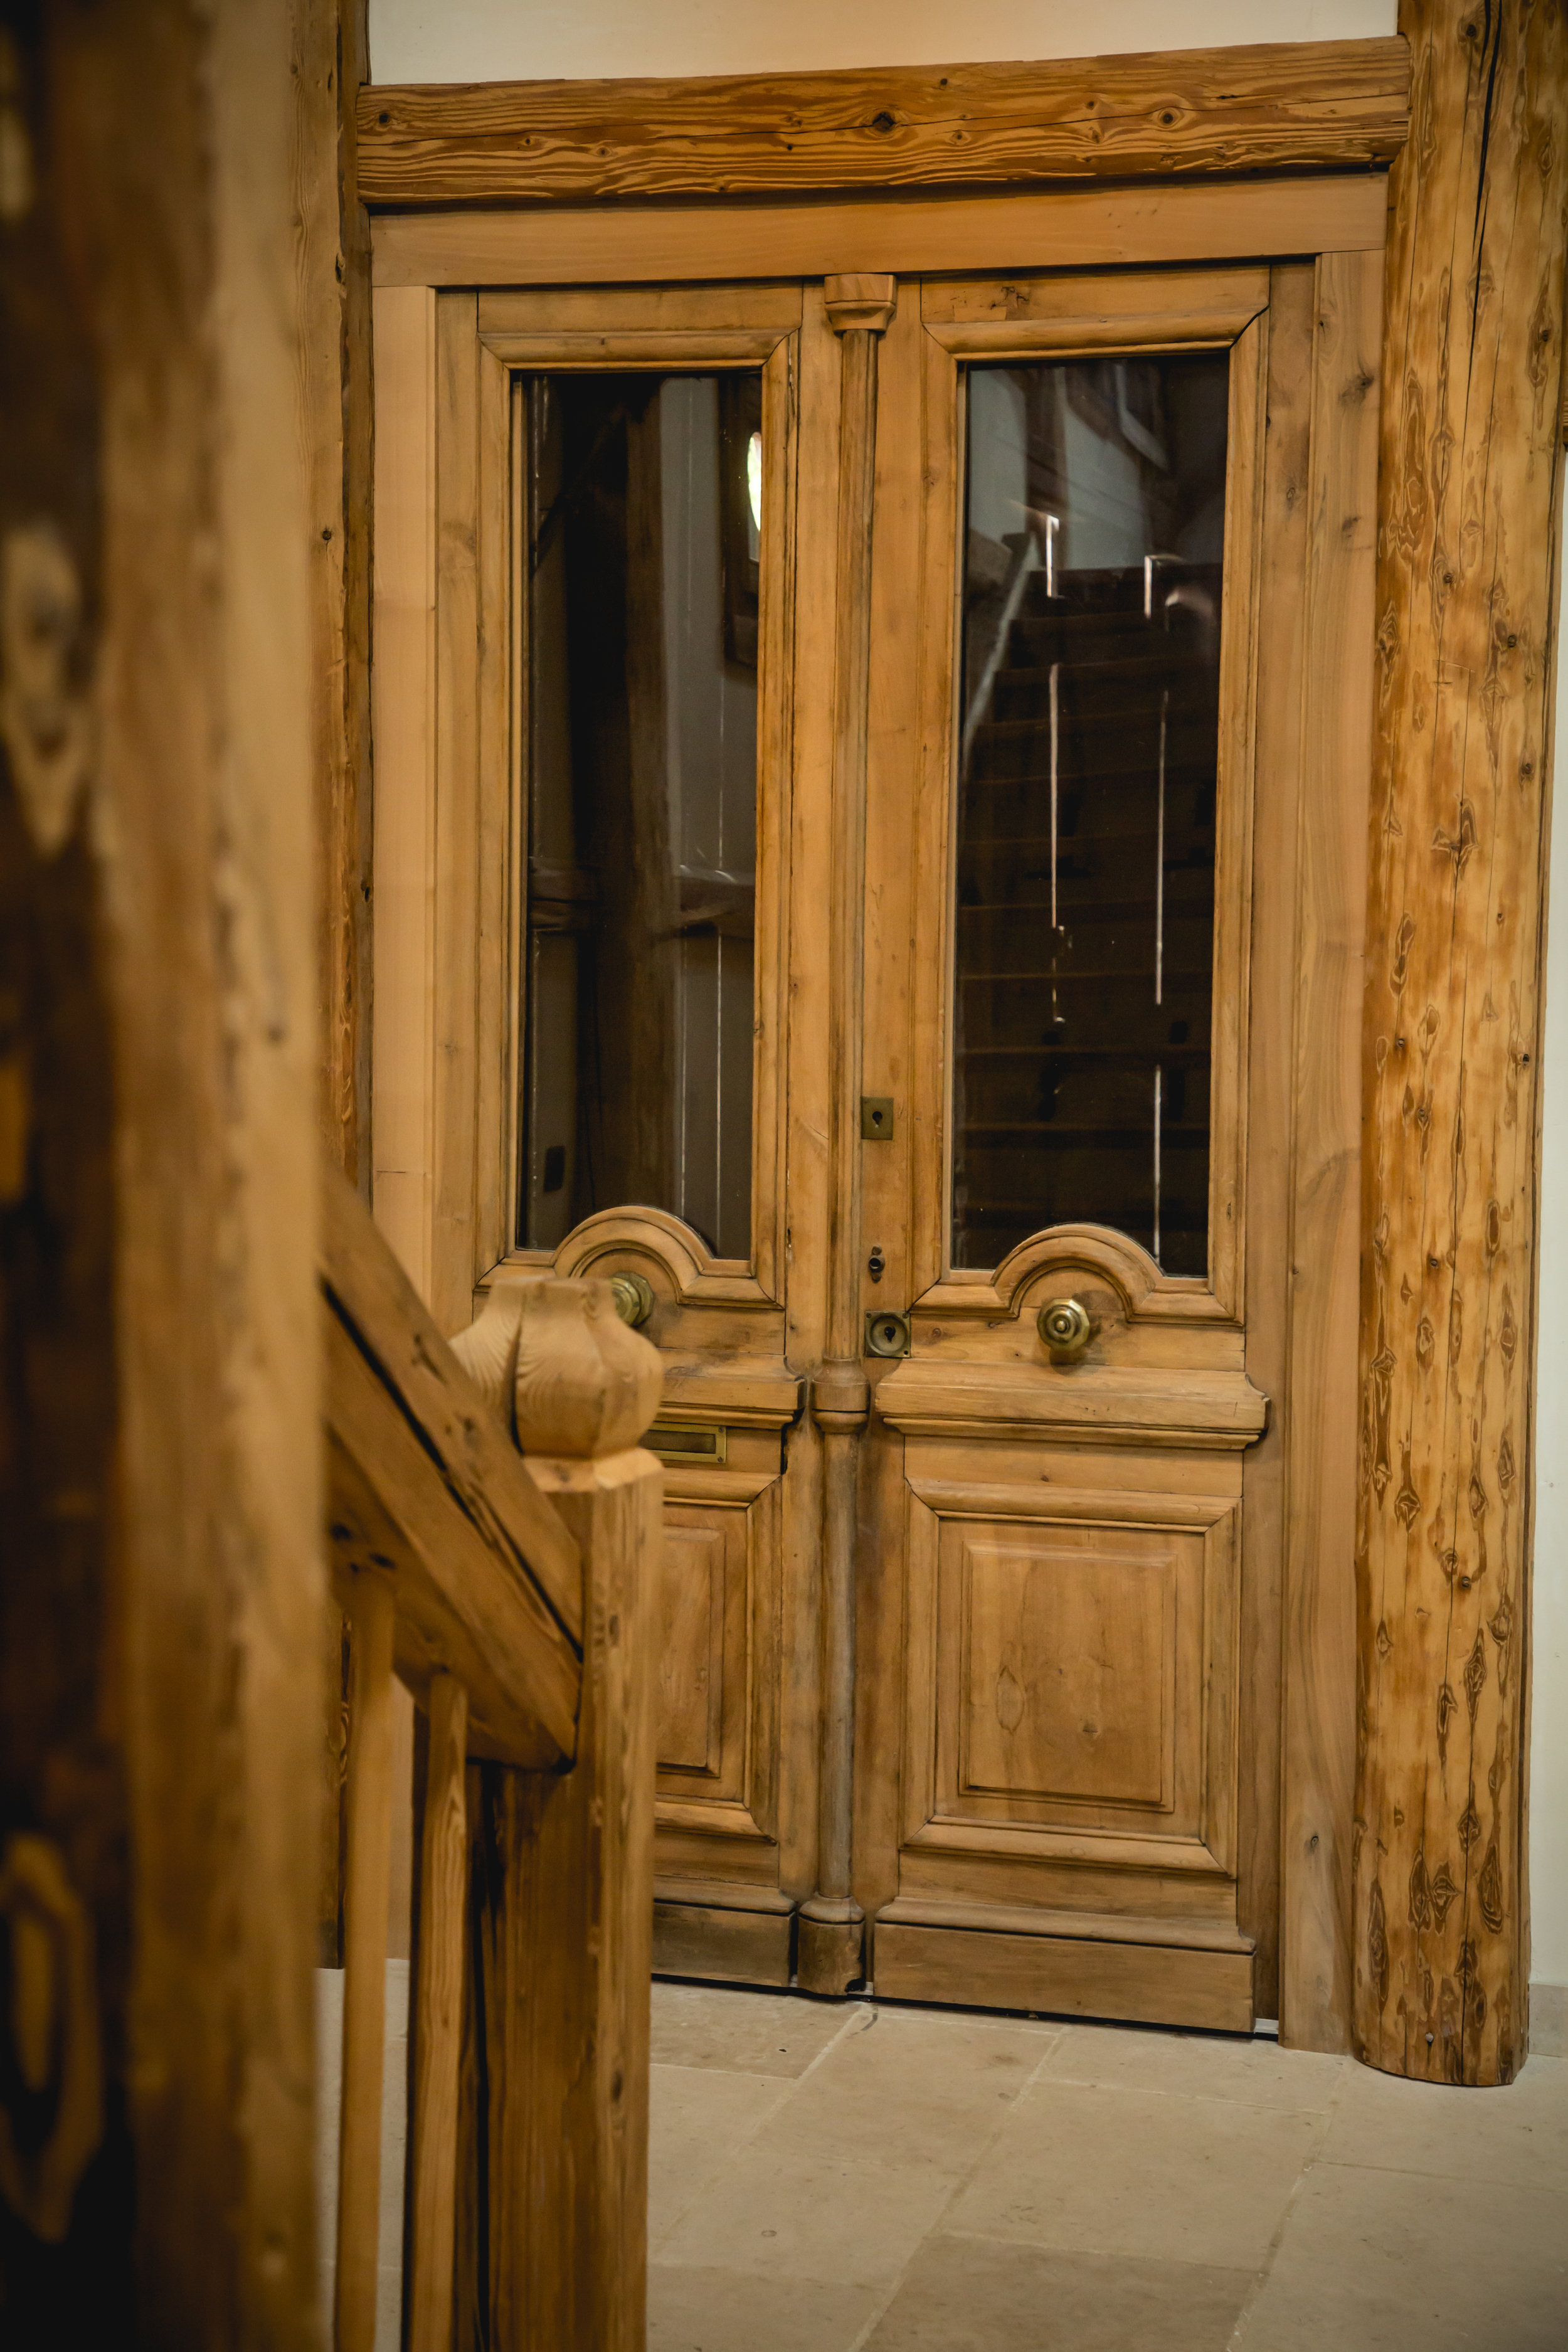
x: 887, y: 1334
x: 877, y: 1118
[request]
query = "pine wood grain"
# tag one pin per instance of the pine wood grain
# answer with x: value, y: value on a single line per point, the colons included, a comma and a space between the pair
x: 372, y: 1612
x: 1467, y: 522
x: 1235, y: 110
x: 404, y: 710
x: 1066, y: 227
x: 1330, y: 929
x: 437, y: 2025
x: 1281, y: 591
x: 147, y: 415
x: 453, y: 820
x: 332, y: 267
x: 858, y: 308
x: 1072, y: 1976
x: 559, y: 1998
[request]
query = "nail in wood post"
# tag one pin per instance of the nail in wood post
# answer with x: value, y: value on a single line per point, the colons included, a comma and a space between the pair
x: 563, y: 1869
x: 365, y: 1958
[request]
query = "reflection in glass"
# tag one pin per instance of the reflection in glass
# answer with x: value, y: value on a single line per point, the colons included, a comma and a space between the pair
x: 1085, y: 855
x: 643, y: 538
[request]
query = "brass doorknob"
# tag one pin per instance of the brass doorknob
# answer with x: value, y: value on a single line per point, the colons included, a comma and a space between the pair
x: 634, y: 1298
x: 1065, y: 1328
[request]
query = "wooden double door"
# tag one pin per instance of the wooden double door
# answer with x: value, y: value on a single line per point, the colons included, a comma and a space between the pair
x: 895, y: 700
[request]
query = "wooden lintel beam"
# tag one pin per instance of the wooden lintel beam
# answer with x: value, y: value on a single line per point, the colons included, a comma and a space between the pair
x: 1269, y: 108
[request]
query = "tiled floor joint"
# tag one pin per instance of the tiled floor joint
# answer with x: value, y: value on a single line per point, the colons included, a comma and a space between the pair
x: 886, y: 2179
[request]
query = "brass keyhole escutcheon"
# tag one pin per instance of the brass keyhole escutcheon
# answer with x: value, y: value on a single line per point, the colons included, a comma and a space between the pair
x: 1065, y: 1328
x: 634, y: 1298
x: 887, y: 1334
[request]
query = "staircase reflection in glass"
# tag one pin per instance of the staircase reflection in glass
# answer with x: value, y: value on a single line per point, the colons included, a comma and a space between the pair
x: 640, y: 587
x: 1087, y: 761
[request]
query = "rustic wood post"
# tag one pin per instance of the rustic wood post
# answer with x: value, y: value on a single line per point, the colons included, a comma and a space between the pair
x: 1467, y: 536
x: 561, y: 1868
x: 159, y: 1457
x: 372, y: 1622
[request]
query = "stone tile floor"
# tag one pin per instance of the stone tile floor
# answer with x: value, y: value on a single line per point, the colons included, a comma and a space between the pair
x: 861, y: 2177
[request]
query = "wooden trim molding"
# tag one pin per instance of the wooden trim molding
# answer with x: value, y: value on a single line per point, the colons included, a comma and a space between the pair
x: 1269, y: 108
x: 1107, y: 1406
x: 1143, y: 224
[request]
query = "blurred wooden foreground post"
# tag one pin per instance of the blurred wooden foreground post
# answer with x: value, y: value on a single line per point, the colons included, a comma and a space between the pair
x: 563, y: 1861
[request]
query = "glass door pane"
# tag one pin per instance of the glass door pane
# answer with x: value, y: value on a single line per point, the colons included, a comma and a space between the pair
x: 642, y: 516
x: 1085, y: 849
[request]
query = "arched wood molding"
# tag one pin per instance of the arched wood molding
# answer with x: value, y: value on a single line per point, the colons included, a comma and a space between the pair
x: 1467, y: 526
x: 1145, y: 1293
x: 677, y: 1260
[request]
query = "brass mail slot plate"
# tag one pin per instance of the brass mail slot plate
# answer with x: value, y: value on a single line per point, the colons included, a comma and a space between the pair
x: 710, y: 1446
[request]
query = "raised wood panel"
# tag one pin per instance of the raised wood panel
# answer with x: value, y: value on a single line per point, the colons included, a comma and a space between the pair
x: 1068, y: 228
x: 719, y: 1763
x: 1067, y: 1667
x: 1227, y: 110
x: 1071, y: 1678
x: 690, y: 1719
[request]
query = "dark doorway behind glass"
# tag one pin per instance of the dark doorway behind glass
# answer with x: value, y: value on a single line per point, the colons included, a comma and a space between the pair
x: 642, y: 535
x: 1085, y: 854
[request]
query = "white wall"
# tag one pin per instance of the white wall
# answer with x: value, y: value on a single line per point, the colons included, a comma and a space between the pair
x: 525, y: 40
x: 500, y: 40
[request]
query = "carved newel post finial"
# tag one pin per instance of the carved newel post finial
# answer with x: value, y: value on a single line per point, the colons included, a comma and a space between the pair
x: 567, y: 1917
x: 562, y: 1369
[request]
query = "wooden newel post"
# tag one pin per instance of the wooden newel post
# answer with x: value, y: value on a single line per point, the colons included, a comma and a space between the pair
x: 563, y: 1865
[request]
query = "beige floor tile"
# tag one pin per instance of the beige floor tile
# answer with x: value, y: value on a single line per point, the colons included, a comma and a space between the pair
x: 1142, y: 2173
x: 790, y: 2212
x: 913, y: 2087
x: 1518, y: 2134
x: 751, y: 2032
x: 729, y: 2311
x: 972, y: 2294
x: 1197, y: 2065
x: 698, y: 2117
x: 1398, y: 2262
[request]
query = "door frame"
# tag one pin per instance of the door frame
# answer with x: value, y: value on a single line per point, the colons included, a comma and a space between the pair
x: 424, y: 1006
